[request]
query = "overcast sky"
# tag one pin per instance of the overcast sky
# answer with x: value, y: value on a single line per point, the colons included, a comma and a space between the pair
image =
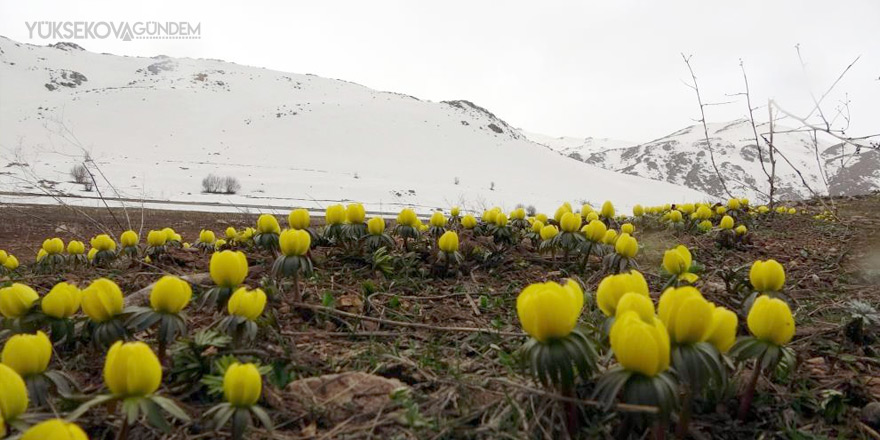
x: 576, y: 68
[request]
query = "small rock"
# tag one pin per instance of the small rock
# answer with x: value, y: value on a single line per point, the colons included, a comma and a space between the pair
x: 871, y: 415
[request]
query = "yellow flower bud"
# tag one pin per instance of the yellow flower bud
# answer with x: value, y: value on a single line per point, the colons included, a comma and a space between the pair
x: 561, y: 211
x: 448, y: 242
x: 726, y: 222
x: 722, y: 331
x: 295, y: 242
x: 27, y: 354
x: 206, y: 236
x: 626, y: 246
x: 231, y: 233
x: 242, y: 385
x: 91, y: 254
x: 686, y: 208
x: 455, y: 211
x: 607, y: 210
x: 355, y: 213
x: 638, y: 303
x: 675, y: 216
x: 627, y: 228
x: 268, y: 224
x: 685, y: 313
x: 570, y: 222
x: 53, y: 246
x: 13, y: 394
x: 638, y: 210
x: 770, y: 320
x: 408, y: 217
x: 548, y: 232
x: 640, y: 346
x: 103, y: 242
x: 610, y: 237
x: 741, y: 230
x: 537, y: 225
x: 733, y: 204
x: 500, y: 219
x: 247, y: 303
x: 767, y: 276
x: 62, y: 301
x: 129, y: 238
x: 705, y: 225
x: 595, y: 231
x: 169, y: 234
x: 678, y: 260
x: 75, y: 247
x: 132, y: 370
x: 170, y: 295
x: 299, y: 219
x: 613, y: 287
x: 55, y: 429
x: 228, y: 268
x: 156, y: 238
x: 549, y: 310
x: 16, y: 300
x: 11, y: 262
x: 518, y: 214
x: 102, y: 300
x: 469, y: 222
x: 376, y: 226
x: 438, y: 220
x: 541, y: 217
x: 335, y: 215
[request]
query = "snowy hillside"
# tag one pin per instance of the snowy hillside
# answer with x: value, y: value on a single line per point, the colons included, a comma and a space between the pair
x: 157, y: 126
x: 577, y: 148
x: 682, y: 158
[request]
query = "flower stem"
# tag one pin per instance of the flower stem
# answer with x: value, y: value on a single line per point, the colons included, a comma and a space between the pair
x: 746, y: 401
x: 571, y: 419
x: 684, y: 418
x: 123, y: 433
x: 297, y: 296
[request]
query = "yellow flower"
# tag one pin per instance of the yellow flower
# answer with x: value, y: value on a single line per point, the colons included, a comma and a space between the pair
x: 613, y: 287
x: 675, y: 216
x: 3, y: 257
x: 103, y: 242
x: 268, y: 224
x: 75, y: 247
x: 595, y: 231
x: 705, y: 225
x: 591, y: 216
x: 639, y: 346
x: 518, y: 214
x: 242, y: 385
x: 16, y: 300
x: 299, y: 219
x: 91, y: 254
x: 247, y: 303
x: 638, y: 211
x: 770, y: 320
x: 228, y: 268
x: 549, y: 310
x: 722, y: 331
x: 678, y: 260
x: 703, y: 213
x: 792, y: 211
x: 744, y: 201
x: 610, y: 237
x: 13, y: 394
x: 156, y: 238
x: 733, y: 204
x: 741, y: 230
x: 217, y: 244
x: 627, y: 228
x: 763, y: 209
x: 438, y: 220
x: 170, y: 295
x: 685, y: 313
x: 27, y: 354
x: 720, y: 210
x: 422, y: 227
x: 376, y: 226
x: 548, y: 232
x: 132, y: 370
x: 42, y: 254
x: 129, y: 238
x: 561, y: 211
x: 469, y: 221
x: 454, y: 211
x: 206, y: 236
x: 726, y: 222
x: 500, y: 219
x: 231, y: 233
x: 537, y: 226
x: 334, y: 215
x: 687, y: 208
x: 448, y: 242
x: 570, y: 222
x: 169, y: 234
x: 767, y: 276
x: 541, y: 217
x: 355, y: 213
x: 407, y: 217
x: 53, y: 246
x: 607, y: 210
x: 102, y: 300
x: 55, y: 429
x: 636, y: 302
x: 295, y: 242
x: 586, y: 208
x: 626, y: 246
x: 62, y: 301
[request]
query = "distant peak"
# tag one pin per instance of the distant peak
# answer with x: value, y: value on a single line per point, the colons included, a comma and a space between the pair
x: 67, y: 46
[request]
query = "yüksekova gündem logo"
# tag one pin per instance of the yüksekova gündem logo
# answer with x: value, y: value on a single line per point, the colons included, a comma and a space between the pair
x: 121, y: 30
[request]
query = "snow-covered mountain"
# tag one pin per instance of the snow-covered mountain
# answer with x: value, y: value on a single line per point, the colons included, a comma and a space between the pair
x: 577, y: 148
x: 682, y: 158
x: 157, y: 126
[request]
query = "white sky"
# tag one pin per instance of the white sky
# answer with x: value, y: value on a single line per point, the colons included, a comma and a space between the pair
x: 577, y: 68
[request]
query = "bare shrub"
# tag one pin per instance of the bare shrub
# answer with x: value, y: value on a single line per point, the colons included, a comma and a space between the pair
x: 213, y: 184
x: 80, y: 174
x: 231, y: 185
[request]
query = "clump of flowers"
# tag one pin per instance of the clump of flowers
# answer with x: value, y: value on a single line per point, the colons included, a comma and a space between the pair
x: 625, y: 249
x: 294, y: 259
x: 242, y: 387
x: 106, y: 247
x: 679, y: 264
x: 448, y: 249
x: 334, y: 217
x: 407, y: 226
x: 245, y: 307
x: 103, y: 303
x: 355, y: 227
x: 52, y: 254
x: 207, y: 240
x: 437, y: 224
x: 267, y: 232
x: 59, y: 305
x: 228, y: 270
x: 17, y: 305
x: 156, y: 242
x: 129, y: 241
x: 170, y: 295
